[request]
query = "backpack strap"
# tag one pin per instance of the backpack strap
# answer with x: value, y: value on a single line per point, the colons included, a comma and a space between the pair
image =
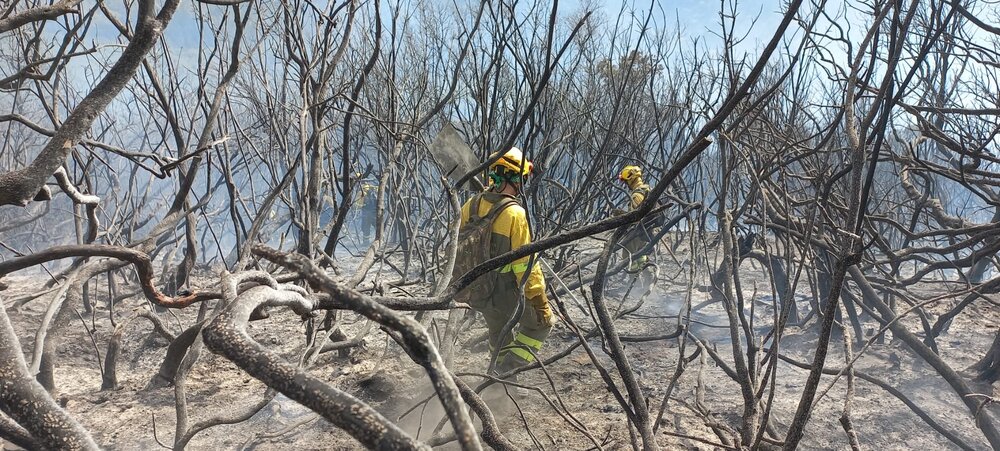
x: 498, y: 208
x: 474, y: 207
x: 494, y: 210
x: 642, y: 189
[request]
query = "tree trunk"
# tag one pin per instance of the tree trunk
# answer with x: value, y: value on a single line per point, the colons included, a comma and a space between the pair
x: 988, y: 368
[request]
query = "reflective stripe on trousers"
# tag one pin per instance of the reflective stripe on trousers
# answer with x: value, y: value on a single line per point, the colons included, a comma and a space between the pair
x: 522, y: 341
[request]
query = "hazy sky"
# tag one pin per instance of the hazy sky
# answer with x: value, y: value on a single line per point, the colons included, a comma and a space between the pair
x: 697, y: 18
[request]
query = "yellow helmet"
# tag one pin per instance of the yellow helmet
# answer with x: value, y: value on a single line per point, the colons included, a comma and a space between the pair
x: 629, y: 173
x: 513, y: 160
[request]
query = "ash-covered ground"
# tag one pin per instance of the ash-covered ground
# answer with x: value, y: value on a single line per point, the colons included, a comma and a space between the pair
x: 578, y: 411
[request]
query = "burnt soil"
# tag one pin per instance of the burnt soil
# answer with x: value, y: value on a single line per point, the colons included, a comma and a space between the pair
x: 379, y: 372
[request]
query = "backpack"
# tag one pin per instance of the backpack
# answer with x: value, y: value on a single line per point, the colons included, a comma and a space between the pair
x: 474, y: 241
x: 645, y: 227
x: 641, y: 189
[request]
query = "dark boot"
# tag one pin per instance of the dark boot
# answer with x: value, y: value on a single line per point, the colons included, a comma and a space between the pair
x: 507, y: 363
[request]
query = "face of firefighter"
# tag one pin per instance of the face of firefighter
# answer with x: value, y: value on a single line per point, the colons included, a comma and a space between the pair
x: 512, y: 188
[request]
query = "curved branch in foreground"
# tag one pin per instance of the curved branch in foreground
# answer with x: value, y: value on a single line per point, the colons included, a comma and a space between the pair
x: 24, y: 399
x: 226, y: 335
x: 14, y: 433
x: 142, y: 263
x: 492, y: 434
x: 417, y: 340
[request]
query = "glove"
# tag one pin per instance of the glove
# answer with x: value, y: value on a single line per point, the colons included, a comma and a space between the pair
x: 542, y: 310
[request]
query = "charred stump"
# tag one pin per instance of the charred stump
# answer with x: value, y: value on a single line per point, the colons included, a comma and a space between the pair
x: 988, y: 369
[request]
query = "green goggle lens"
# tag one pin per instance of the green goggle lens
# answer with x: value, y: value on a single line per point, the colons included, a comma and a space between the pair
x: 511, y: 178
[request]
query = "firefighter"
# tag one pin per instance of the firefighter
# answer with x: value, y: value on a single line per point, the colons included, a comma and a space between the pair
x: 504, y: 227
x: 636, y: 239
x: 366, y: 203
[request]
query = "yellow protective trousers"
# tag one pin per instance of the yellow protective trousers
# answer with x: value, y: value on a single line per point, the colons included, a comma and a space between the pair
x: 525, y: 339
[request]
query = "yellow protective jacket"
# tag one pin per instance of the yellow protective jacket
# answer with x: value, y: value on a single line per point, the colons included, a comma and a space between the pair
x: 639, y: 192
x: 510, y: 231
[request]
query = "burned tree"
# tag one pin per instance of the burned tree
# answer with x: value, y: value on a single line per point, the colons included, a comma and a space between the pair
x: 262, y: 181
